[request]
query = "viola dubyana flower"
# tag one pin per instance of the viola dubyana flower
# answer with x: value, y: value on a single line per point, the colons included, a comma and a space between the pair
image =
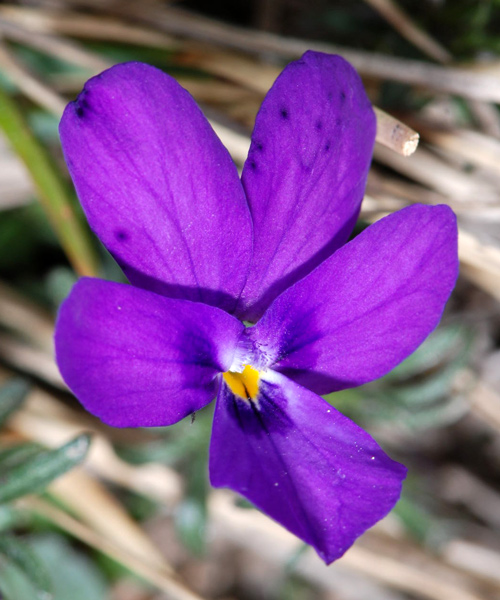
x: 205, y: 252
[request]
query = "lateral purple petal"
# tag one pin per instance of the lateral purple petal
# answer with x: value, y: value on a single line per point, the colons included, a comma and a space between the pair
x: 368, y: 306
x: 303, y: 463
x: 137, y: 359
x: 306, y: 172
x: 157, y: 185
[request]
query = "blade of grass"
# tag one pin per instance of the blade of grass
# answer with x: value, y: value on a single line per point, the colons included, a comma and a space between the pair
x: 30, y: 360
x: 51, y: 191
x: 158, y: 577
x: 434, y: 172
x: 403, y: 23
x: 26, y: 318
x: 89, y: 500
x: 460, y: 81
x: 395, y: 135
x: 81, y: 25
x: 52, y: 45
x: 28, y: 83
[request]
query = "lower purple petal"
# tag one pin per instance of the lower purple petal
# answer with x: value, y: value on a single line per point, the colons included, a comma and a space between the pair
x: 303, y: 463
x: 137, y: 359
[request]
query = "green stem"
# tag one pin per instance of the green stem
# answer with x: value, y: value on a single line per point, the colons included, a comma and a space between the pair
x: 51, y: 190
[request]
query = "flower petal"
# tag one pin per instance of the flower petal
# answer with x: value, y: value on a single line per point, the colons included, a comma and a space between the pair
x: 368, y: 306
x: 306, y: 172
x: 303, y: 463
x: 157, y: 185
x: 136, y: 359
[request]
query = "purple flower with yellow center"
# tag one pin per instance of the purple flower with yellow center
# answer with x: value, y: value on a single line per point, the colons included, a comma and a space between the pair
x: 205, y: 252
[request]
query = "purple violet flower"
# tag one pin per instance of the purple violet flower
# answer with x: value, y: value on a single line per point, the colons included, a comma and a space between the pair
x: 204, y: 251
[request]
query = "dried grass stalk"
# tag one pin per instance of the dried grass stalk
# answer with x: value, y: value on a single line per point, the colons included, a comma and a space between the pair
x: 160, y: 578
x: 409, y: 30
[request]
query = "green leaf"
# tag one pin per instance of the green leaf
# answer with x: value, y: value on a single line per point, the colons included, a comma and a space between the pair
x: 11, y: 517
x: 177, y: 443
x: 73, y: 576
x: 20, y: 554
x: 430, y: 390
x: 139, y: 507
x: 439, y: 346
x: 419, y: 523
x: 191, y: 514
x: 58, y: 284
x: 13, y: 456
x: 295, y: 557
x: 190, y: 522
x: 12, y: 395
x: 79, y: 579
x: 443, y: 414
x: 35, y: 473
x: 166, y: 450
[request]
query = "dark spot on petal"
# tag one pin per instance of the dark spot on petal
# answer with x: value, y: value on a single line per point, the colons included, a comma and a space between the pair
x: 253, y: 165
x: 259, y: 146
x: 121, y: 235
x: 327, y: 146
x: 81, y: 104
x: 342, y: 96
x: 319, y: 125
x: 284, y: 113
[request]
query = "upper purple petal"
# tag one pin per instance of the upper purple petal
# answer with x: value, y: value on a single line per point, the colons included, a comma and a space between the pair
x: 137, y: 359
x: 157, y: 186
x: 303, y: 463
x: 306, y: 172
x: 368, y: 306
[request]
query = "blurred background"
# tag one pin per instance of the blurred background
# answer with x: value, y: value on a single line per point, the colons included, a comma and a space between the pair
x: 138, y: 521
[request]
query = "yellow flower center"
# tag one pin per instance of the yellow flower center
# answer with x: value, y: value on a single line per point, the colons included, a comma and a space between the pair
x: 245, y: 384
